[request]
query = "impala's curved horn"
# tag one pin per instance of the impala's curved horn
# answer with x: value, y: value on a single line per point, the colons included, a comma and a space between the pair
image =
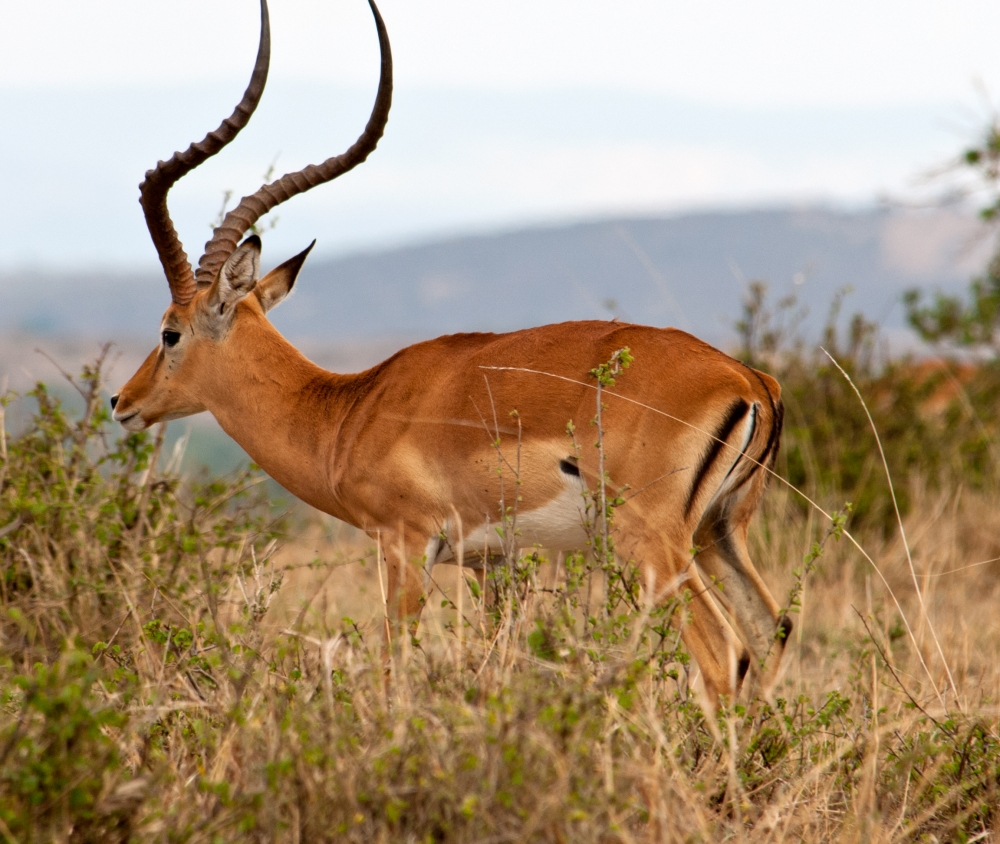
x: 159, y: 180
x: 252, y: 208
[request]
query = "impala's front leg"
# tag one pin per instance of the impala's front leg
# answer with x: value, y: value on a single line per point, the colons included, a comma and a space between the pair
x: 408, y: 559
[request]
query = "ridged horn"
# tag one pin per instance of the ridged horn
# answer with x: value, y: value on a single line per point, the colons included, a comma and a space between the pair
x: 251, y: 208
x: 159, y: 180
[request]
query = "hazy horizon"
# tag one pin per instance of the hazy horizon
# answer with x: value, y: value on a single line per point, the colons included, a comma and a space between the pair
x: 451, y: 163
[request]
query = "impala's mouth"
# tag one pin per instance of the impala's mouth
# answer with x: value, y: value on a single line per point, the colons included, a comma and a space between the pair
x: 130, y: 421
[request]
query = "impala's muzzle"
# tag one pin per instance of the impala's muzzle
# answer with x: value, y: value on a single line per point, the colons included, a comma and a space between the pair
x: 128, y: 418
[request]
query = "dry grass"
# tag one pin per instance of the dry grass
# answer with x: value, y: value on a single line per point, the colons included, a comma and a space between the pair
x: 175, y: 666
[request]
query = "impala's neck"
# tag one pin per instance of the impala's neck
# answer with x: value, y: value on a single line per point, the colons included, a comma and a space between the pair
x: 284, y: 411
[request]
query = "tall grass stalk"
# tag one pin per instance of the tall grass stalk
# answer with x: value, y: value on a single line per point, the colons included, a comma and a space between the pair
x: 906, y: 547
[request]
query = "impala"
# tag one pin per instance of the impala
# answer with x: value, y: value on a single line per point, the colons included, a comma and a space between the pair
x: 407, y: 450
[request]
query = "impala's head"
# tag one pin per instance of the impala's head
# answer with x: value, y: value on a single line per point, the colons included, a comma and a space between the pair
x: 196, y: 339
x: 209, y: 305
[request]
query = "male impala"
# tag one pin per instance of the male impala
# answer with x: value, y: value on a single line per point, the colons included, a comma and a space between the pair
x: 406, y: 449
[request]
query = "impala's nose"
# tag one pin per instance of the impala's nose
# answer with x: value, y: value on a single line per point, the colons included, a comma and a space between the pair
x: 114, y: 401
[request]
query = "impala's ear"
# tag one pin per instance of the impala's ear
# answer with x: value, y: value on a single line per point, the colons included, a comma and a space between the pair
x: 238, y: 275
x: 278, y: 283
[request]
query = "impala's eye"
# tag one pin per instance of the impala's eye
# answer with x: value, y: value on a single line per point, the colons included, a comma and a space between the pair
x: 170, y: 338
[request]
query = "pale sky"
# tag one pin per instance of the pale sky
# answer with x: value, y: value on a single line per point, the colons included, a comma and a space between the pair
x: 726, y: 52
x: 506, y: 113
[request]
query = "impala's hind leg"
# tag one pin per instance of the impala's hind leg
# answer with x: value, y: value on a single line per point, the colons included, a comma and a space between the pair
x: 723, y: 556
x: 707, y: 635
x: 711, y: 641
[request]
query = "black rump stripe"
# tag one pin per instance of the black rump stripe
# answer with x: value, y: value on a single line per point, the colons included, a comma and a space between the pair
x: 737, y: 411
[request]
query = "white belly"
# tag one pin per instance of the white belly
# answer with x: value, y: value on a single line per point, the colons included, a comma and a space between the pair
x: 559, y: 525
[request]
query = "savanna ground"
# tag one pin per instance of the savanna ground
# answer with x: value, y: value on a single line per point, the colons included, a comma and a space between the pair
x: 182, y: 660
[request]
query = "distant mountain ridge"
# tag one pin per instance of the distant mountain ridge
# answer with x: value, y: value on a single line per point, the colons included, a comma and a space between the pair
x: 688, y: 270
